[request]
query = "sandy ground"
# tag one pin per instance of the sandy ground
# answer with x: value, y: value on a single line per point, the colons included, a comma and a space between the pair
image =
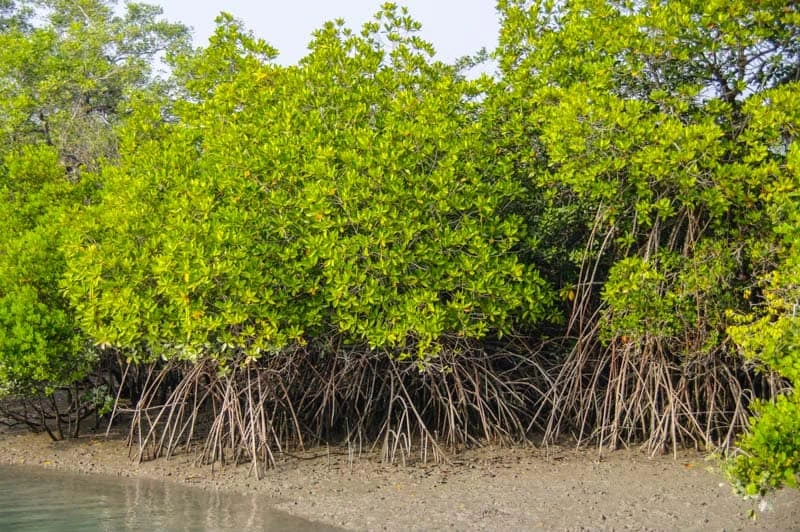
x: 485, y: 489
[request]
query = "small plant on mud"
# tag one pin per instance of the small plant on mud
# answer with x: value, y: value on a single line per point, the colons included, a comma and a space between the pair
x: 100, y: 399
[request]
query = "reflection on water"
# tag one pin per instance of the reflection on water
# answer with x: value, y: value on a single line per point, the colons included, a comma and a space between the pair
x: 33, y: 499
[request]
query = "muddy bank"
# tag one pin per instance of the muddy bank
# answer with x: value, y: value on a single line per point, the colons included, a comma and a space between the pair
x: 486, y: 489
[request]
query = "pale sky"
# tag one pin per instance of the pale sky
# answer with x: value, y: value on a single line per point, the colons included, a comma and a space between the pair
x: 455, y: 27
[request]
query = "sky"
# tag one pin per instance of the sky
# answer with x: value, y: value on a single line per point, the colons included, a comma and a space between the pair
x: 455, y: 27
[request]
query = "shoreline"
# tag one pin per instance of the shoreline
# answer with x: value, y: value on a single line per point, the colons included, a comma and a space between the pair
x: 493, y: 488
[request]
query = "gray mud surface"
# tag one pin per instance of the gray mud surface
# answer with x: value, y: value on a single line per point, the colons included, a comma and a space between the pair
x: 486, y: 489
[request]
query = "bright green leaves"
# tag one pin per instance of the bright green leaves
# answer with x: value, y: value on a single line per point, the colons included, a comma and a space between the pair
x: 416, y: 224
x: 770, y: 334
x: 63, y: 75
x: 771, y: 457
x: 231, y: 50
x: 639, y: 303
x: 634, y: 113
x: 39, y: 345
x: 771, y: 450
x: 343, y: 197
x: 666, y: 298
x: 640, y: 157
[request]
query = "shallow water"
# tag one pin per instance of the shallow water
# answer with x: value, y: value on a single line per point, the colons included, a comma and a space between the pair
x: 32, y: 499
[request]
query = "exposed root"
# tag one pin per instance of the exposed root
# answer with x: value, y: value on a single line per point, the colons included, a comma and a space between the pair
x: 246, y: 412
x: 60, y: 413
x: 637, y: 393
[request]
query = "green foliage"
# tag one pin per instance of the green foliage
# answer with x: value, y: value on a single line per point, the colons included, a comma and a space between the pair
x: 640, y: 158
x: 770, y: 334
x: 344, y: 198
x: 637, y: 302
x: 770, y: 455
x: 672, y: 125
x: 100, y: 398
x: 39, y: 344
x: 65, y: 69
x: 66, y: 66
x: 642, y: 114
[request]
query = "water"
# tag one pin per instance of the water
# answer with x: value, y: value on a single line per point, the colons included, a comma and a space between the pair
x: 32, y: 499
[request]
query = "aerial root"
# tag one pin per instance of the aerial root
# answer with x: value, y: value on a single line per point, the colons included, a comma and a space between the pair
x: 248, y: 412
x: 626, y: 394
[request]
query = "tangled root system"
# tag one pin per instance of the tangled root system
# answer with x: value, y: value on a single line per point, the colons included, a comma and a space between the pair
x: 246, y: 412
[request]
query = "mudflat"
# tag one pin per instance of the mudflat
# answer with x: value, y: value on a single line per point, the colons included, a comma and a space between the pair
x: 492, y: 488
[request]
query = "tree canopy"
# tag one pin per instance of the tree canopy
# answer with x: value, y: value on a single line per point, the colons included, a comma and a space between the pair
x: 345, y: 196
